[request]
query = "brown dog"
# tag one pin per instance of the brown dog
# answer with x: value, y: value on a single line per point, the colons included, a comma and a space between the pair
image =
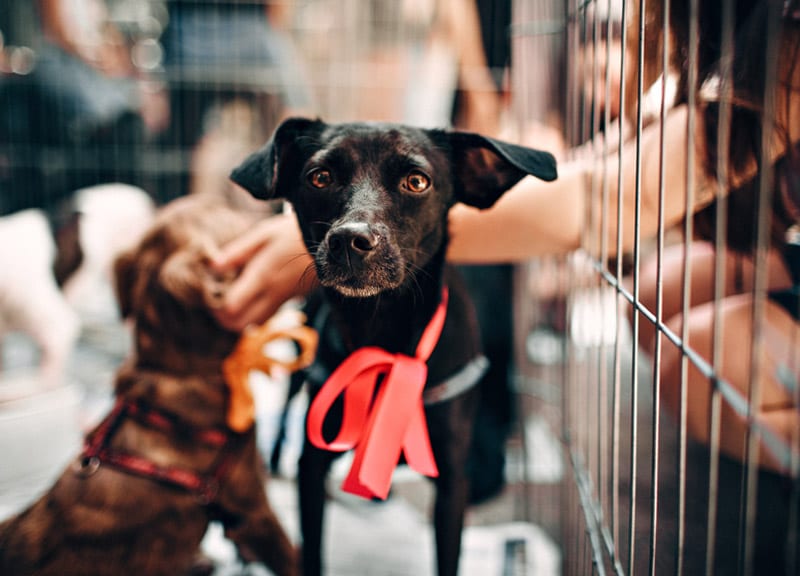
x: 164, y: 462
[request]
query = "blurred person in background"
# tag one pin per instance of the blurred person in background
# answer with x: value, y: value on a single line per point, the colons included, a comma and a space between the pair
x: 233, y: 73
x: 70, y: 90
x: 480, y: 32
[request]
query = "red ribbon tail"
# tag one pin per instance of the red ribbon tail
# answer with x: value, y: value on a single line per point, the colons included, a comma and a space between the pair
x: 374, y: 479
x: 394, y: 411
x: 352, y: 485
x: 417, y: 444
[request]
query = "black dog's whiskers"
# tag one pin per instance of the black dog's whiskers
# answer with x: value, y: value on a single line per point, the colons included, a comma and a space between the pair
x: 375, y: 311
x: 313, y: 247
x: 322, y: 223
x: 308, y: 277
x: 412, y: 271
x: 309, y: 274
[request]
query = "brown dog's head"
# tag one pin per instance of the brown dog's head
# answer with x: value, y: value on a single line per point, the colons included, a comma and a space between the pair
x: 165, y: 284
x: 372, y: 199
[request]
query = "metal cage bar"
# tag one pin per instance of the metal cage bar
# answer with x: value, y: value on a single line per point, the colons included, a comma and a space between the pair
x: 633, y: 470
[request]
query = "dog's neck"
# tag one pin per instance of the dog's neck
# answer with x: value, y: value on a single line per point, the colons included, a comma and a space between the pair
x: 392, y: 320
x: 182, y: 363
x: 176, y: 358
x: 197, y: 398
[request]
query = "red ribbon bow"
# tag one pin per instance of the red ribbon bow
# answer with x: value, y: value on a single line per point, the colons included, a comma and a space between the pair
x: 393, y: 423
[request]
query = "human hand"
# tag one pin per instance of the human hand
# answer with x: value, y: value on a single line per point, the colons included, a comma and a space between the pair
x: 275, y: 267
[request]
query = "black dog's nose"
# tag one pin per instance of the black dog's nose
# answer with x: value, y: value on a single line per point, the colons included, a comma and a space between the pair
x: 355, y: 238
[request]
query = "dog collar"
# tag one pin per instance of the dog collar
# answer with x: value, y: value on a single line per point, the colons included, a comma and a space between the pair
x: 391, y: 425
x: 466, y: 378
x: 98, y: 450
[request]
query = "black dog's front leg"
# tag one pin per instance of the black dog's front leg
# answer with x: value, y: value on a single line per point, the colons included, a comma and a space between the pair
x: 452, y: 492
x: 311, y: 474
x: 450, y: 427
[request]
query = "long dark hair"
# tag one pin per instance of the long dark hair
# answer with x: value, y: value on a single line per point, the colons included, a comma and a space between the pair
x: 750, y: 90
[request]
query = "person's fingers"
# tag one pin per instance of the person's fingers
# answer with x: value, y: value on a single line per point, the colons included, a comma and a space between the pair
x: 250, y: 295
x: 254, y: 280
x: 257, y: 312
x: 257, y: 295
x: 274, y: 267
x: 241, y: 249
x: 263, y: 286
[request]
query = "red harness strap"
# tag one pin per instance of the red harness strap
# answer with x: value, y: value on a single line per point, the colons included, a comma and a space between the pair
x: 97, y: 451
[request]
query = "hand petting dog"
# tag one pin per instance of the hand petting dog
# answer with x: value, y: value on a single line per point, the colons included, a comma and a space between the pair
x: 268, y: 277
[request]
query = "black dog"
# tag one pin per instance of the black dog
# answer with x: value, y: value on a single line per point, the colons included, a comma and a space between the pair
x: 372, y: 203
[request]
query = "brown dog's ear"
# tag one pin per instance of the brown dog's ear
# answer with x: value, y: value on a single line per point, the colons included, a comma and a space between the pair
x: 182, y: 276
x: 261, y: 172
x: 484, y: 168
x: 124, y: 278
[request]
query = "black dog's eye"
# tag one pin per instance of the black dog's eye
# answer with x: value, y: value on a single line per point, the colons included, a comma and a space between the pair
x: 416, y: 182
x: 320, y: 178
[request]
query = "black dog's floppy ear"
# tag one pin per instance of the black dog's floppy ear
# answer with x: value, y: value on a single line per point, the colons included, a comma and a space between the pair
x: 260, y: 172
x: 484, y: 168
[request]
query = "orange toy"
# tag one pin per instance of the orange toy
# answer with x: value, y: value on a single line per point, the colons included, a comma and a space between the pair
x: 249, y: 355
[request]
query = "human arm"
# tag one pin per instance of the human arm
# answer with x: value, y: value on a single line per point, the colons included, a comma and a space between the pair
x: 56, y: 28
x: 538, y: 218
x: 532, y: 219
x: 279, y: 14
x: 480, y: 101
x: 84, y: 30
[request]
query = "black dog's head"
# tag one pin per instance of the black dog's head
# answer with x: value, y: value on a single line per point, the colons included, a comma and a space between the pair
x: 372, y: 199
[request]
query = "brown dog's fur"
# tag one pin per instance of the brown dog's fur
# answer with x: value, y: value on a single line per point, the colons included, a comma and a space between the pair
x: 112, y: 522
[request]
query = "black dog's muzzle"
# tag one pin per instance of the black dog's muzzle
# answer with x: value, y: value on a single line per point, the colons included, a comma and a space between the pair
x: 352, y: 243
